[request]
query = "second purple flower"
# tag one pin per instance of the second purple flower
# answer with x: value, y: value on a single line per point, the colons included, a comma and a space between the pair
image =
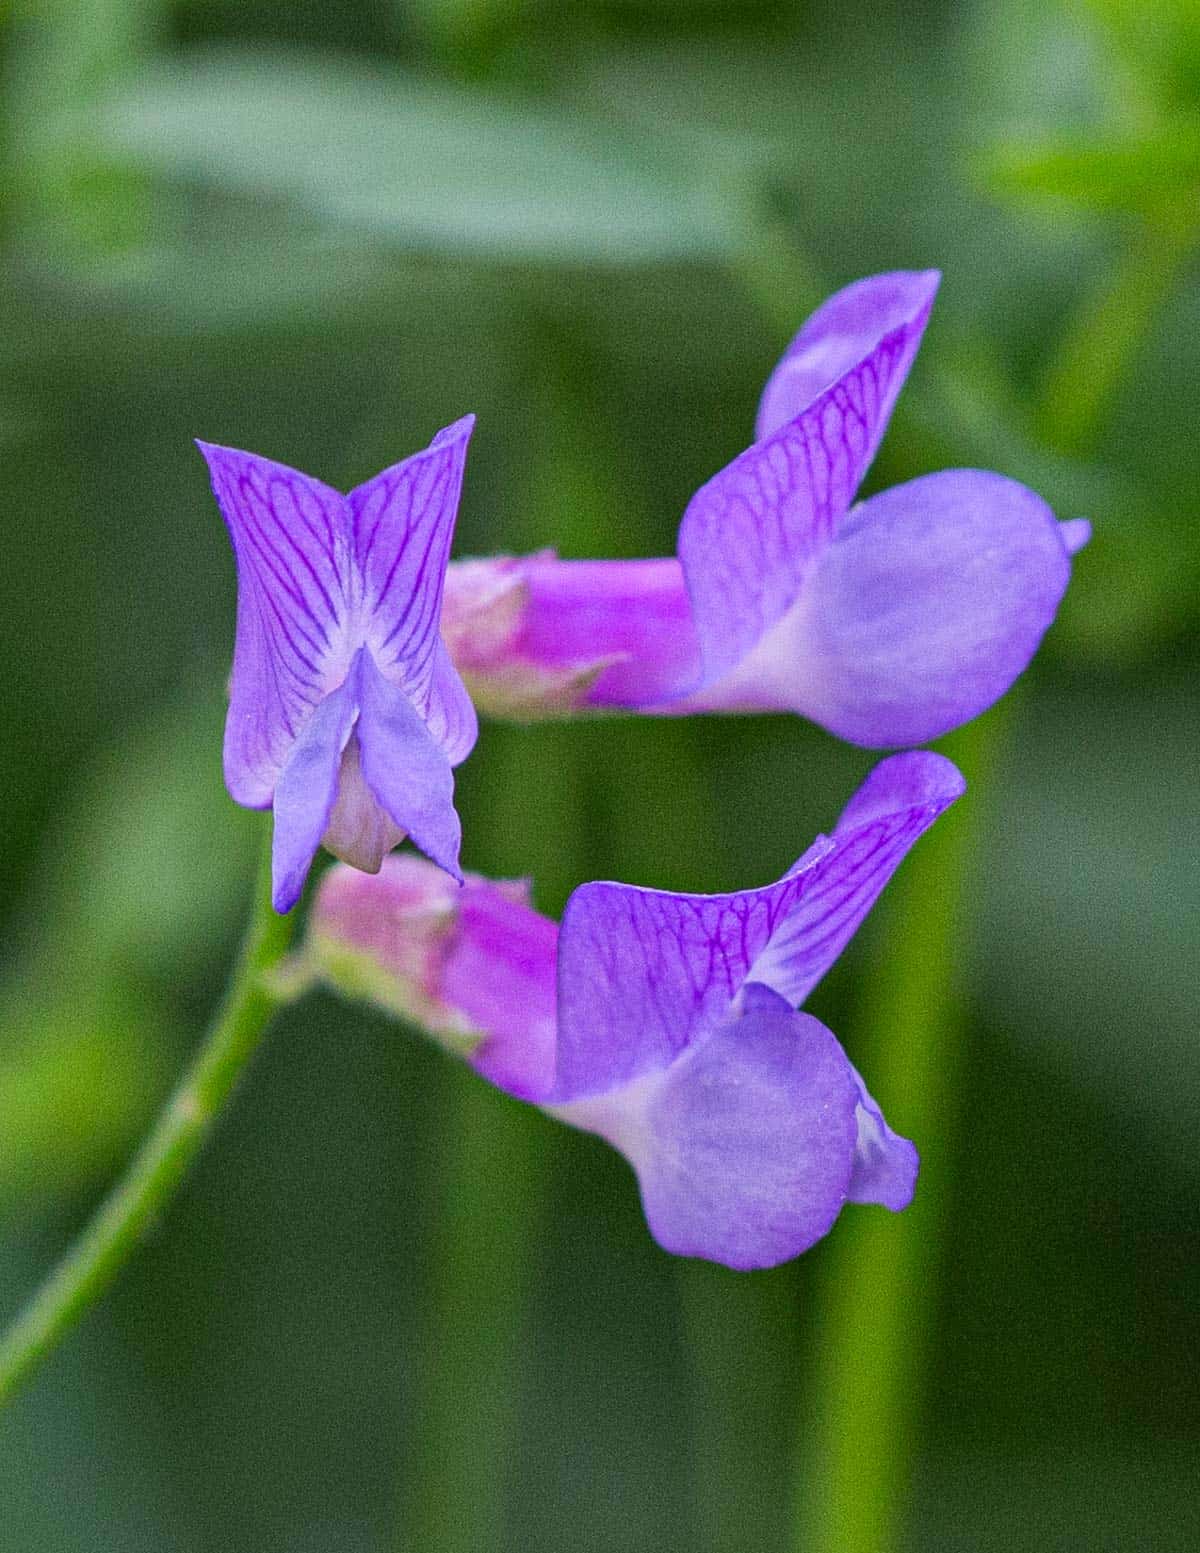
x: 345, y: 712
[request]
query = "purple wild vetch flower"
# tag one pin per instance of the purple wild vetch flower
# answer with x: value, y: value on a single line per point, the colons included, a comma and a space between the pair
x: 345, y: 712
x: 665, y: 1023
x: 888, y: 623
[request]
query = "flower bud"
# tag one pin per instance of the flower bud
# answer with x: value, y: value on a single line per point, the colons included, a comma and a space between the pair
x: 534, y: 637
x: 473, y: 966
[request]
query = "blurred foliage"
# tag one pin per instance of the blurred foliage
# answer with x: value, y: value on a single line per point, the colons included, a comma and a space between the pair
x: 321, y: 232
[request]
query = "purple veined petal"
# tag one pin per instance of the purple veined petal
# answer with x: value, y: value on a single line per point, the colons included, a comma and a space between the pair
x: 306, y: 790
x: 930, y: 603
x: 291, y: 541
x: 841, y: 333
x: 744, y: 1146
x: 827, y: 899
x: 405, y: 768
x: 643, y: 973
x: 402, y: 523
x: 750, y: 536
x: 885, y: 1164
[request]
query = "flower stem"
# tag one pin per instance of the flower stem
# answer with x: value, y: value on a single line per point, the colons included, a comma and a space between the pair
x: 865, y: 1412
x: 159, y: 1166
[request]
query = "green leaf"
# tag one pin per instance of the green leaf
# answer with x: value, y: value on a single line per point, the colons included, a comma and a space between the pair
x: 416, y: 165
x: 1159, y: 43
x: 1148, y: 174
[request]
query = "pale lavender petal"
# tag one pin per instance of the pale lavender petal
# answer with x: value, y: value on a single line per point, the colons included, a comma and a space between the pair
x: 885, y: 1164
x: 306, y: 790
x: 402, y: 524
x: 1076, y: 532
x: 290, y: 538
x: 405, y: 768
x: 449, y: 710
x: 744, y: 1146
x: 821, y: 904
x: 750, y: 536
x: 931, y: 602
x: 359, y: 831
x: 842, y: 332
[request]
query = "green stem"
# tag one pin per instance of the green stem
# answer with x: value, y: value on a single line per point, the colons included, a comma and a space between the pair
x: 880, y: 1268
x: 1107, y: 331
x: 159, y: 1166
x: 488, y: 1199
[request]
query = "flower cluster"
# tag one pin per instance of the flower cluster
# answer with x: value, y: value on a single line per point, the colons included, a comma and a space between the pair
x: 668, y: 1024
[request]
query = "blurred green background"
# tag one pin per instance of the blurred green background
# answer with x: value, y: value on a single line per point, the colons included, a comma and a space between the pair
x: 391, y: 1310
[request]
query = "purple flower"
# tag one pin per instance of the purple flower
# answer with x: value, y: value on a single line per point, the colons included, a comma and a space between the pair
x: 888, y: 623
x: 665, y: 1023
x: 345, y: 712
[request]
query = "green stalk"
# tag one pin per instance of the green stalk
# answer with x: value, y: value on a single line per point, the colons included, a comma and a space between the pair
x: 880, y: 1269
x: 881, y: 1274
x: 153, y: 1177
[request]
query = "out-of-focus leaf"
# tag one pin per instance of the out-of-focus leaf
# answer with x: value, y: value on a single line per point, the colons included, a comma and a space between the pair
x: 1160, y: 41
x: 78, y: 1072
x: 1145, y: 175
x: 413, y: 163
x: 154, y: 857
x: 149, y: 865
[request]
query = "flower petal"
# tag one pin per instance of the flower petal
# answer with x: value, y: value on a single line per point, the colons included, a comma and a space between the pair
x: 449, y: 710
x: 930, y: 603
x: 643, y: 973
x: 306, y: 791
x: 750, y: 535
x: 842, y: 332
x: 885, y: 1164
x: 291, y: 541
x: 402, y: 524
x: 744, y: 1146
x: 405, y: 767
x: 821, y: 903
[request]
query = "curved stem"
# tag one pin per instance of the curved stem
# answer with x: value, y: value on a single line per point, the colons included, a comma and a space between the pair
x: 159, y: 1166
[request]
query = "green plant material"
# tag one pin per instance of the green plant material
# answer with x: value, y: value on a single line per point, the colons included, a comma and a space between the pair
x: 414, y: 164
x: 1109, y: 326
x: 860, y: 1442
x: 116, y: 928
x: 1152, y: 173
x: 163, y: 1159
x: 77, y: 1072
x: 1160, y: 43
x: 69, y: 53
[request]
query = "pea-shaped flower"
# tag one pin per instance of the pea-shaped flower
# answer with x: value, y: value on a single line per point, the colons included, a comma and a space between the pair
x: 345, y: 712
x: 888, y: 623
x: 666, y: 1023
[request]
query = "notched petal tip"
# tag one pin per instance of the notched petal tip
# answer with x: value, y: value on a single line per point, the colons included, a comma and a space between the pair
x: 1075, y: 533
x: 912, y: 779
x: 457, y: 431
